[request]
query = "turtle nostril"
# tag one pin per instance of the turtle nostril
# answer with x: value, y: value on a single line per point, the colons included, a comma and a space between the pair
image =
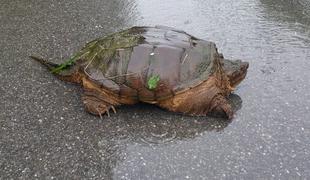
x: 245, y: 65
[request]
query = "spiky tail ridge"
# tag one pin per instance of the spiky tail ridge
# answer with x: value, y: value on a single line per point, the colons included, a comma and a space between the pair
x: 49, y: 65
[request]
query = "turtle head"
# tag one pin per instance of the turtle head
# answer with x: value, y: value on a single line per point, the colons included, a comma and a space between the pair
x: 235, y: 71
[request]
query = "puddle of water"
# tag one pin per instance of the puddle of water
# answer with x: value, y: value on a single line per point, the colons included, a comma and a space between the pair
x: 270, y: 127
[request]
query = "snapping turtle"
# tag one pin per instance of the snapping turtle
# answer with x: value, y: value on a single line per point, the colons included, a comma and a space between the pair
x: 158, y: 65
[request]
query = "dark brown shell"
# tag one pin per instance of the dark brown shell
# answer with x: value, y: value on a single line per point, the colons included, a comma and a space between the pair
x: 124, y: 62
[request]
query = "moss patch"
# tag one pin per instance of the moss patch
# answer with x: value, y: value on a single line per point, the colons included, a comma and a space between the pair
x: 102, y: 50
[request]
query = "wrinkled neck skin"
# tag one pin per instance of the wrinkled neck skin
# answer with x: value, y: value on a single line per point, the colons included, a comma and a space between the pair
x: 235, y: 70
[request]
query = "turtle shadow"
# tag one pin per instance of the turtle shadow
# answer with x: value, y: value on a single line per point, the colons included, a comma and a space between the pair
x: 145, y: 123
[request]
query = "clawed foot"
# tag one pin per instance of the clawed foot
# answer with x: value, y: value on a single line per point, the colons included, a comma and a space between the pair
x: 106, y: 109
x: 97, y: 107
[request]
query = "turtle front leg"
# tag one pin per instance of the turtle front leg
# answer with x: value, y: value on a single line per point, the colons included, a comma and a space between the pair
x: 206, y: 98
x: 200, y: 105
x: 221, y: 107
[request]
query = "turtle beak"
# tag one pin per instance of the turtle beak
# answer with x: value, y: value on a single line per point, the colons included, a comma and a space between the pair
x: 235, y: 71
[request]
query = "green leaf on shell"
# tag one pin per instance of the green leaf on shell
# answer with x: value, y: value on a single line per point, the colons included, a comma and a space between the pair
x: 153, y: 82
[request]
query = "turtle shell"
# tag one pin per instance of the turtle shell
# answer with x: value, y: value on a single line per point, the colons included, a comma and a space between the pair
x: 148, y: 63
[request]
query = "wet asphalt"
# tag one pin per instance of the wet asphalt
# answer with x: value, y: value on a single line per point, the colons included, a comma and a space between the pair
x: 45, y: 132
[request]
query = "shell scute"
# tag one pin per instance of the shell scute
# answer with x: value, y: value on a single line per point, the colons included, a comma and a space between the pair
x: 124, y: 61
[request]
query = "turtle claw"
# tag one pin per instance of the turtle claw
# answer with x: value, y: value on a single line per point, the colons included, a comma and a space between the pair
x: 100, y: 113
x: 108, y: 113
x: 114, y: 110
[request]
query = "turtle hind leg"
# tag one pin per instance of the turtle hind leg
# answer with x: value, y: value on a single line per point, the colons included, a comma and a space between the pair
x: 97, y: 106
x: 99, y: 101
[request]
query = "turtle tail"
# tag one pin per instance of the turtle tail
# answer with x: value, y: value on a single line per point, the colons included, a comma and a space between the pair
x: 49, y: 65
x: 65, y: 71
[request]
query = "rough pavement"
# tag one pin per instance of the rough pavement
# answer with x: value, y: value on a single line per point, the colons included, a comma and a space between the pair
x: 46, y: 134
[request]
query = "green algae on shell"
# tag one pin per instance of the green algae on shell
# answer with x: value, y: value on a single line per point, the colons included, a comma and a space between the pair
x: 102, y: 49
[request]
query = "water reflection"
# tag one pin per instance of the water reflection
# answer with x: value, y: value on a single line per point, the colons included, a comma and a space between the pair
x: 288, y: 23
x: 294, y: 11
